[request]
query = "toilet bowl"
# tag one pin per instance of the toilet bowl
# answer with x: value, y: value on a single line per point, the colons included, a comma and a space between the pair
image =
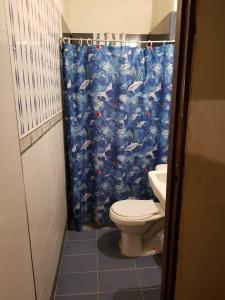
x: 141, y: 223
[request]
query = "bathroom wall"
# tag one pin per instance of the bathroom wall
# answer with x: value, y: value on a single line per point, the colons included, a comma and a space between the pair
x: 16, y: 277
x: 201, y: 267
x: 44, y: 178
x: 61, y: 4
x: 32, y: 149
x: 34, y: 29
x: 161, y: 15
x: 128, y: 16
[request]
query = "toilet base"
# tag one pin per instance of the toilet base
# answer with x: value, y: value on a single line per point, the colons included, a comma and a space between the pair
x: 135, y: 245
x: 130, y: 245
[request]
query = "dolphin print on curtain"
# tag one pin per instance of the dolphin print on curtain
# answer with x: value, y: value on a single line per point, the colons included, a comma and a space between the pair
x: 117, y: 109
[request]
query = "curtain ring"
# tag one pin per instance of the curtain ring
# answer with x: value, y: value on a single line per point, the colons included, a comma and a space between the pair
x: 113, y: 38
x: 121, y: 42
x: 149, y: 45
x: 66, y: 40
x: 164, y: 43
x: 80, y: 41
x: 89, y: 42
x: 139, y: 44
x: 97, y: 43
x: 124, y: 39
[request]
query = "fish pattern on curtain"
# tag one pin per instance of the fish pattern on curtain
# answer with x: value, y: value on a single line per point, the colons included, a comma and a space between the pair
x: 117, y: 109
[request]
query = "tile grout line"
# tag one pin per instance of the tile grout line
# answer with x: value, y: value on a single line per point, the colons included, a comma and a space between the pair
x: 110, y: 270
x: 107, y: 252
x: 139, y: 280
x: 104, y: 292
x: 96, y: 239
x: 83, y: 240
x: 78, y: 294
x: 81, y: 254
x: 60, y: 267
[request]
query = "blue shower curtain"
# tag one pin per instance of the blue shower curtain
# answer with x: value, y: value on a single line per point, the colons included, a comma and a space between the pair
x: 117, y: 109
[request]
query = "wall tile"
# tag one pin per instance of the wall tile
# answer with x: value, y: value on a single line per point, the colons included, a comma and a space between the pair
x: 34, y: 29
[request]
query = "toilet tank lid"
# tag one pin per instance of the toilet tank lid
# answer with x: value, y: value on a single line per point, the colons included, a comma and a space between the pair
x: 134, y: 208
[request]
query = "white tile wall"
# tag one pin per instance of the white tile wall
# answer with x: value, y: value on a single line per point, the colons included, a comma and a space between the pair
x: 16, y: 276
x: 34, y: 29
x: 44, y: 179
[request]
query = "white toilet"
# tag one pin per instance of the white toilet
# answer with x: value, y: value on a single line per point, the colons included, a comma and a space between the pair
x: 141, y: 223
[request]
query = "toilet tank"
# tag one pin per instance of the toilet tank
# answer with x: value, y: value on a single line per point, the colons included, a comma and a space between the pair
x: 161, y: 167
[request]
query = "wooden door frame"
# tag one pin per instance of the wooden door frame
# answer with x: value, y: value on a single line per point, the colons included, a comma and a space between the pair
x: 185, y: 30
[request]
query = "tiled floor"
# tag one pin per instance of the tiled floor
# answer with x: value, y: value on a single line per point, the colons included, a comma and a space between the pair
x: 92, y: 268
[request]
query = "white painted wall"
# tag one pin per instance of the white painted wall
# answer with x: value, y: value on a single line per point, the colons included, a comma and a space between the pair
x: 16, y: 278
x: 117, y: 16
x: 61, y: 4
x: 160, y: 9
x: 128, y: 16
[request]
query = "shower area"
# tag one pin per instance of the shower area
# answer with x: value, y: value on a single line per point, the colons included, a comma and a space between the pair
x: 117, y: 97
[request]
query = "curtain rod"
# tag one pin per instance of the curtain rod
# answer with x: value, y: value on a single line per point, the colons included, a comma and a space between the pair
x: 89, y: 40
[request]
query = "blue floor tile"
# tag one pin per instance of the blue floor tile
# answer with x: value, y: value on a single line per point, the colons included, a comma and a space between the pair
x: 109, y: 234
x: 79, y: 263
x: 79, y: 247
x: 150, y: 278
x: 147, y: 261
x: 108, y: 246
x: 73, y: 235
x: 153, y: 294
x: 78, y: 297
x: 118, y: 280
x: 121, y: 295
x: 77, y: 283
x: 114, y: 261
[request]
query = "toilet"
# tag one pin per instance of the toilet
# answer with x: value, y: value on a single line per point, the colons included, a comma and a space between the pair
x: 141, y: 223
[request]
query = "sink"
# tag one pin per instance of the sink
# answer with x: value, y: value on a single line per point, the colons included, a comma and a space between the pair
x: 157, y: 180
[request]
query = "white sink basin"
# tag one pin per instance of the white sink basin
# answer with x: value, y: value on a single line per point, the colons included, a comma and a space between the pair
x: 157, y: 181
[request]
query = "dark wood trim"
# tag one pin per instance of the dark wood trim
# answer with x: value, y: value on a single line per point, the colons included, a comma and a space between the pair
x: 183, y: 54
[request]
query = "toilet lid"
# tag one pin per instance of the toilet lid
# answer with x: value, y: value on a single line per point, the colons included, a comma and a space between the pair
x: 135, y: 209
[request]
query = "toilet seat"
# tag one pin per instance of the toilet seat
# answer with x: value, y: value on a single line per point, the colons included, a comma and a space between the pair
x: 133, y: 211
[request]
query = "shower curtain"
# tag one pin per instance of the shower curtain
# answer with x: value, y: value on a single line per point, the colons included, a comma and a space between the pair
x: 117, y: 108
